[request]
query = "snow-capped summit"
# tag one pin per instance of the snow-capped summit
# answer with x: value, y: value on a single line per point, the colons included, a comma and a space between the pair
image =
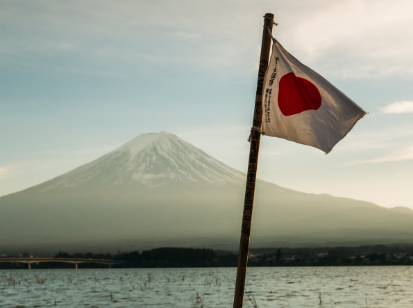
x: 148, y: 161
x: 158, y: 190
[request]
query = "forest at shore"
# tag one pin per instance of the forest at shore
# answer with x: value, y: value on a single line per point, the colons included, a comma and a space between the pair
x: 168, y: 257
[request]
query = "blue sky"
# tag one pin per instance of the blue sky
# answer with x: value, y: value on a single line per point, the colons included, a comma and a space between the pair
x: 80, y: 78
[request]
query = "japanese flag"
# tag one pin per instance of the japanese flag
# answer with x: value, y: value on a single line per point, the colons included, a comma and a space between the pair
x: 301, y: 106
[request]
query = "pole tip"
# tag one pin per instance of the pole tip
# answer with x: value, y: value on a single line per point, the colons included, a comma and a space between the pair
x: 269, y: 15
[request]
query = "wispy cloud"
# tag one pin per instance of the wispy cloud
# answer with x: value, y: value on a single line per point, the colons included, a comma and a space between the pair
x: 398, y: 155
x: 341, y: 38
x: 213, y: 130
x: 386, y: 144
x: 31, y: 172
x: 398, y: 107
x: 84, y: 151
x: 382, y: 138
x: 275, y: 152
x: 4, y: 173
x: 185, y: 35
x: 344, y: 38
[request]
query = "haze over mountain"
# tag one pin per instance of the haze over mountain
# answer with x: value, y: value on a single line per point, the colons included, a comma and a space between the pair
x: 158, y: 190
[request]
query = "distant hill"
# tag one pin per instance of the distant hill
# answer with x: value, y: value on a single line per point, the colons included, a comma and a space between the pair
x: 158, y: 190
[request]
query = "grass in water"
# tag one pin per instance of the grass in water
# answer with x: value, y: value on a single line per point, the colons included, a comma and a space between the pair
x: 39, y: 280
x: 253, y: 301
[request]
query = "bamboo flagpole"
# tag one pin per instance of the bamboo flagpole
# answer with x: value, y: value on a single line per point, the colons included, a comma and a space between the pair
x: 255, y: 138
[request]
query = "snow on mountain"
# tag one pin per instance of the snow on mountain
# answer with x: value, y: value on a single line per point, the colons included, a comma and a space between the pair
x: 149, y: 161
x: 158, y: 190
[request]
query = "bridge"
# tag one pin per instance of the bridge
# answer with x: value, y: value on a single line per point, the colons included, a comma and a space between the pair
x: 75, y: 261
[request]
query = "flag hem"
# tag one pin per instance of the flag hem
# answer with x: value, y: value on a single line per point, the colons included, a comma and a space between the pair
x: 355, y: 122
x: 359, y: 118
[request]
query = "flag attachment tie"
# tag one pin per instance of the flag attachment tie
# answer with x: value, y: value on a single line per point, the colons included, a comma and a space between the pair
x: 254, y: 129
x: 269, y: 31
x: 270, y: 19
x: 268, y: 28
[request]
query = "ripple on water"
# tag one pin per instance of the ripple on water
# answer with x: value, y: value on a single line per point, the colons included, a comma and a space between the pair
x: 344, y: 287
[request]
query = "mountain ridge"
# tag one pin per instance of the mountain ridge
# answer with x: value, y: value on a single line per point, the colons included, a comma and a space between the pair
x: 157, y: 188
x: 131, y: 159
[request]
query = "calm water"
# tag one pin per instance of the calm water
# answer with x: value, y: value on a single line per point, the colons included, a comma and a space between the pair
x: 269, y: 287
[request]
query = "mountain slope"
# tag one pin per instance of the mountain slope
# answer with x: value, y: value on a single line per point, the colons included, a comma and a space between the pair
x: 148, y: 161
x: 158, y: 190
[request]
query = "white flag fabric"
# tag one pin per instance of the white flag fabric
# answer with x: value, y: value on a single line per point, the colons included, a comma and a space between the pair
x: 301, y: 106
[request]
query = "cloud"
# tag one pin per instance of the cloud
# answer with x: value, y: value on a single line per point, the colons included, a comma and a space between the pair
x: 388, y: 143
x: 398, y: 107
x: 85, y: 151
x: 4, y: 173
x: 185, y: 35
x: 275, y: 152
x: 345, y: 38
x: 383, y: 137
x: 398, y: 155
x: 348, y: 39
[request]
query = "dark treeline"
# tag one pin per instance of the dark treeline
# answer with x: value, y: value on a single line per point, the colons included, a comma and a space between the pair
x: 321, y: 256
x: 178, y: 257
x: 332, y: 256
x: 165, y: 257
x: 192, y: 257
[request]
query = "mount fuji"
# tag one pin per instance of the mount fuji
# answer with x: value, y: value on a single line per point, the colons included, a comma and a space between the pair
x: 158, y: 190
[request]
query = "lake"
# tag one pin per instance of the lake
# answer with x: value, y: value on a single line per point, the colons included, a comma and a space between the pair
x: 209, y: 287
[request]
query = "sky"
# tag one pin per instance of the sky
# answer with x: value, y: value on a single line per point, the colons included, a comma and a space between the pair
x: 80, y: 78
